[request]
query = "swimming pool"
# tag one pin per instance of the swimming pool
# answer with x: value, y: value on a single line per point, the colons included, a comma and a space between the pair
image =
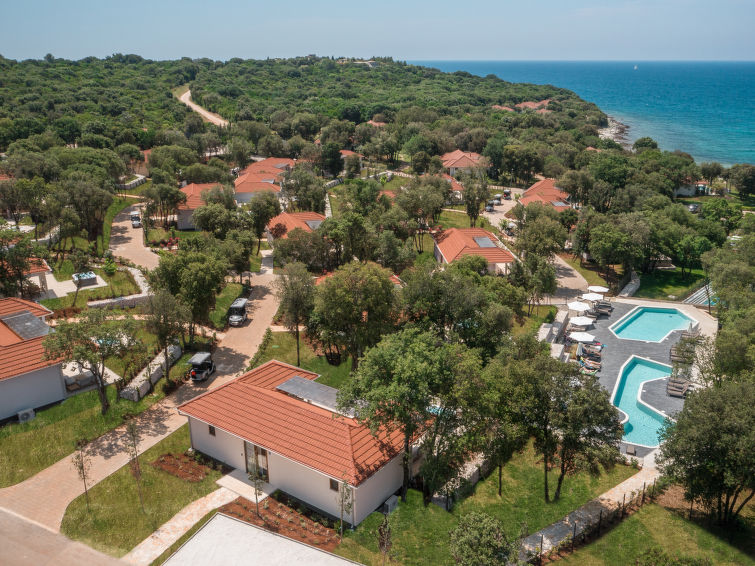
x: 642, y: 423
x: 650, y: 324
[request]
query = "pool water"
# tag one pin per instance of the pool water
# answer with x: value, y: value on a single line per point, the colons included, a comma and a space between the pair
x: 650, y: 324
x: 644, y: 423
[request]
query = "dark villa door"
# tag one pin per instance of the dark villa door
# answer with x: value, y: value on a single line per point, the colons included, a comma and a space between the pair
x: 256, y: 456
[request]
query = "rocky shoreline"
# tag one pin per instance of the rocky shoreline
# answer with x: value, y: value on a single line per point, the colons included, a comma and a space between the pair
x: 616, y: 131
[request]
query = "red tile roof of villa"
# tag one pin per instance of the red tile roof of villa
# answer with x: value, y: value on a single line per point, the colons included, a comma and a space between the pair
x: 251, y: 408
x: 21, y: 355
x: 193, y: 194
x: 460, y: 159
x: 459, y: 242
x: 455, y: 185
x: 499, y: 107
x: 275, y: 165
x: 255, y: 182
x: 37, y: 265
x: 546, y: 192
x: 346, y: 152
x: 13, y: 305
x: 376, y: 124
x: 530, y: 105
x: 293, y: 220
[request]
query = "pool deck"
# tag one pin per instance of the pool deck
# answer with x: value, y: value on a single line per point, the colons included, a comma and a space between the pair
x: 617, y: 351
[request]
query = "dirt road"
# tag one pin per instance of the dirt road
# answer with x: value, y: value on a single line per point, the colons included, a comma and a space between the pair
x: 206, y: 114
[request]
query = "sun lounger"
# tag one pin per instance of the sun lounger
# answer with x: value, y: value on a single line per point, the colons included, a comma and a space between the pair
x: 677, y: 391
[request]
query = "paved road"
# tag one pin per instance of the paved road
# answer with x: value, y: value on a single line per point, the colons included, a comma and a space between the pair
x: 128, y: 242
x: 498, y: 214
x: 571, y: 284
x: 207, y: 115
x: 48, y: 548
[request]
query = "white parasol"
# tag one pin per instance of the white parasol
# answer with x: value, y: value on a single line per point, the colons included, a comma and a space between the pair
x: 592, y: 297
x: 581, y: 337
x: 598, y: 289
x: 578, y: 306
x: 581, y: 321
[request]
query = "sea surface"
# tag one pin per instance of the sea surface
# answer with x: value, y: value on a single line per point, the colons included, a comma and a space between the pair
x: 706, y: 109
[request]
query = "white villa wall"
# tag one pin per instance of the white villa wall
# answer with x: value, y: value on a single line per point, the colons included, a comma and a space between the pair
x: 379, y: 487
x: 225, y: 447
x: 437, y: 254
x: 184, y: 220
x: 31, y: 390
x: 300, y: 481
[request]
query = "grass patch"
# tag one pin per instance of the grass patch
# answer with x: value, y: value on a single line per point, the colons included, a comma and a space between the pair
x: 653, y: 525
x: 28, y: 448
x: 532, y: 322
x: 180, y: 90
x: 283, y: 348
x: 118, y: 365
x: 586, y: 270
x: 116, y: 523
x: 662, y: 284
x: 219, y: 314
x: 120, y: 284
x: 420, y: 534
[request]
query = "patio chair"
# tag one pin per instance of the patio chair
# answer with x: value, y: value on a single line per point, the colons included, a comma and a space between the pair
x: 604, y: 305
x: 631, y: 450
x: 677, y: 391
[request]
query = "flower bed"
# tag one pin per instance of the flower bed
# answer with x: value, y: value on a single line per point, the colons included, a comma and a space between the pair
x: 298, y: 524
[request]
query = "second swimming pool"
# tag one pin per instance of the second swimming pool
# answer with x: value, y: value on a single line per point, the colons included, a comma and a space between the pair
x: 650, y: 324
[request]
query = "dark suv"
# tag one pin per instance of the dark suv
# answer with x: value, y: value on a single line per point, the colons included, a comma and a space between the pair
x: 202, y: 366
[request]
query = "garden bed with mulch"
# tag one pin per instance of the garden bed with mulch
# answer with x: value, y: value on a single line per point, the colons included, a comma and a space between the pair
x: 298, y: 524
x: 182, y: 466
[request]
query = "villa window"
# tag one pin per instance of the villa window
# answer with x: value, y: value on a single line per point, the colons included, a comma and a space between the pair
x: 211, y: 430
x: 334, y: 485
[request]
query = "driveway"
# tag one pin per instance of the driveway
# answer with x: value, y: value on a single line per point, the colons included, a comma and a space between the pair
x: 571, y: 284
x: 127, y: 241
x: 498, y: 215
x: 206, y: 114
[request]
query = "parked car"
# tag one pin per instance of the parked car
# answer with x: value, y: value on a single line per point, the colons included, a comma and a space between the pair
x: 498, y: 196
x: 497, y: 202
x: 506, y: 194
x: 489, y: 208
x: 202, y: 366
x: 136, y: 221
x: 237, y: 312
x: 694, y: 208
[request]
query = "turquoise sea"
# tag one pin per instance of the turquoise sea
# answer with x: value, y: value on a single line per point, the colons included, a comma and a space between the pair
x: 706, y: 109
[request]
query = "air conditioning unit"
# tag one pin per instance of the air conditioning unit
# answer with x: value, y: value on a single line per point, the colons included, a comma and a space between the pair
x: 26, y: 415
x: 390, y: 504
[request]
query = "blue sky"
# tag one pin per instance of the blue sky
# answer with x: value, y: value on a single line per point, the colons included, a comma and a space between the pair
x: 637, y: 30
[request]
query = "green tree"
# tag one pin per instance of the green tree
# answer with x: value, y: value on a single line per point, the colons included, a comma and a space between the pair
x: 214, y: 218
x: 743, y: 177
x: 90, y: 341
x: 711, y: 171
x: 167, y: 318
x: 263, y: 208
x: 353, y: 166
x: 480, y: 539
x: 296, y: 292
x: 708, y: 450
x: 476, y: 193
x: 356, y: 304
x: 331, y: 159
x: 303, y: 190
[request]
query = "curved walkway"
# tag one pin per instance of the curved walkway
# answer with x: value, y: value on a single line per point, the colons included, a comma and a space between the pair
x: 571, y: 284
x: 206, y: 114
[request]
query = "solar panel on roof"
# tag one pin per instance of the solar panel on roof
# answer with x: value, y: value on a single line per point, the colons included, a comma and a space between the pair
x: 484, y: 242
x: 558, y: 203
x: 26, y: 325
x: 313, y: 224
x: 311, y: 392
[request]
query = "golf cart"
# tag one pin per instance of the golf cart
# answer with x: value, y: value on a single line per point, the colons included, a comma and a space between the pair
x: 202, y: 366
x: 136, y: 221
x: 237, y: 312
x: 506, y: 194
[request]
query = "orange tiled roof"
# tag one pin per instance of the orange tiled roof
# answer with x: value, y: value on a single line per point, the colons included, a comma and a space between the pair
x: 293, y: 220
x: 12, y: 305
x: 460, y: 159
x: 455, y: 185
x: 193, y: 194
x: 21, y: 356
x: 275, y: 165
x: 499, y: 107
x: 346, y: 152
x: 546, y: 192
x: 376, y: 124
x: 459, y: 242
x: 250, y: 407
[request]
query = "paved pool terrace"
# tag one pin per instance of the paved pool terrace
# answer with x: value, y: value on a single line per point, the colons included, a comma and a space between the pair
x: 617, y: 351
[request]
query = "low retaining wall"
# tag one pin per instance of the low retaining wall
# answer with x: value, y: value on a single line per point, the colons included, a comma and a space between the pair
x: 128, y: 300
x: 140, y: 180
x: 631, y: 287
x: 143, y: 382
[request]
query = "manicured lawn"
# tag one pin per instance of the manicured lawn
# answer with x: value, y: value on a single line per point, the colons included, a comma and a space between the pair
x: 653, y: 525
x: 219, y: 315
x: 115, y: 524
x: 588, y: 271
x: 531, y: 323
x: 420, y: 534
x: 283, y: 348
x: 662, y: 284
x: 27, y: 448
x: 120, y: 284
